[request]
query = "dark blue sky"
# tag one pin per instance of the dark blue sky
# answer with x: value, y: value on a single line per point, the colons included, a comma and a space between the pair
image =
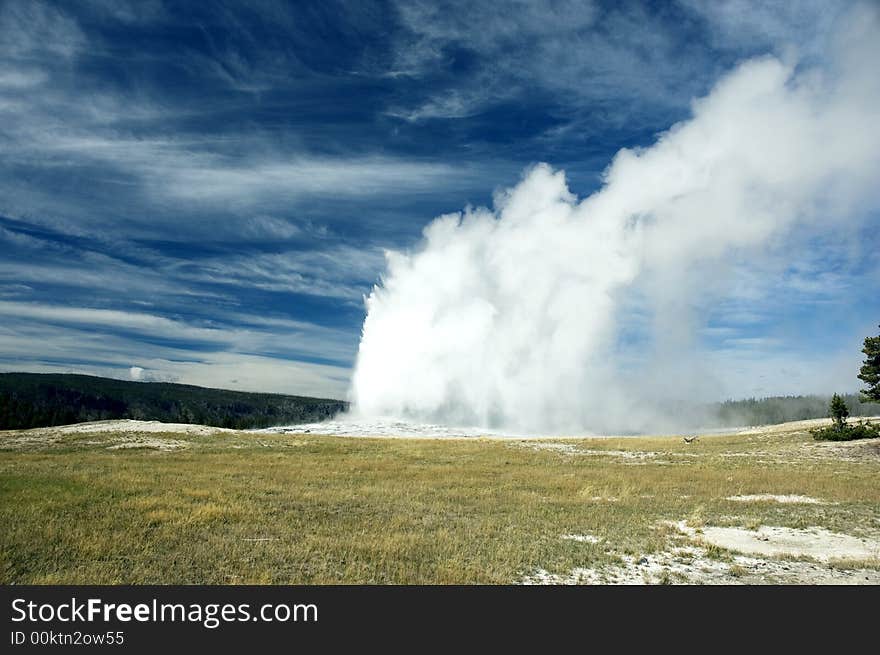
x: 204, y: 190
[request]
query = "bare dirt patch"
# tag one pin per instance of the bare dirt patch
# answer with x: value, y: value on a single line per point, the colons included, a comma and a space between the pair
x: 696, y: 565
x: 848, y: 451
x: 719, y: 555
x: 119, y: 434
x: 551, y: 446
x: 777, y: 498
x: 628, y: 456
x: 149, y: 443
x: 815, y: 542
x: 791, y: 426
x: 130, y: 425
x: 582, y: 538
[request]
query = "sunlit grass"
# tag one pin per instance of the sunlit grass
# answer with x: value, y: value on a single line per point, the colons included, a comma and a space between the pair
x: 309, y: 509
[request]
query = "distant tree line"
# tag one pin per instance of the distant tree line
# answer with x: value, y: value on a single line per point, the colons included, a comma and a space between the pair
x: 780, y: 409
x: 29, y: 400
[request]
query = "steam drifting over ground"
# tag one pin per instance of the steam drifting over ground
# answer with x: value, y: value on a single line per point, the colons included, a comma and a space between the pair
x: 512, y: 317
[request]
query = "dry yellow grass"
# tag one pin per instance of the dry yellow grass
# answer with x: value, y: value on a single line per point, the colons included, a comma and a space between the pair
x: 234, y: 508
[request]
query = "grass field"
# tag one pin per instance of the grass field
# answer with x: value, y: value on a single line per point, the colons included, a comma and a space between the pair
x: 114, y: 507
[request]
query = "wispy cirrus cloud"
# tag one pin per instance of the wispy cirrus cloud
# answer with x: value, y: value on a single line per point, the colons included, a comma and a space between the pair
x: 75, y: 333
x: 34, y: 30
x: 609, y: 62
x: 230, y: 370
x: 338, y: 272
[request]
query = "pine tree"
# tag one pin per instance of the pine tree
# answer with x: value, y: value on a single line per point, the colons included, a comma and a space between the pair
x: 870, y: 371
x: 839, y: 411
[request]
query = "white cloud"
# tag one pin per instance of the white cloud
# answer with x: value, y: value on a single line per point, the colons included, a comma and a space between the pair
x: 777, y: 25
x: 621, y: 61
x: 336, y: 272
x: 35, y: 28
x: 235, y: 371
x: 21, y: 78
x: 88, y: 333
x: 146, y: 323
x: 171, y: 171
x: 217, y: 182
x: 258, y: 354
x: 131, y: 11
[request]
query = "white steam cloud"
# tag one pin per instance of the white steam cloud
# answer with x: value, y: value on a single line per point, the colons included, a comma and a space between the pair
x: 510, y: 317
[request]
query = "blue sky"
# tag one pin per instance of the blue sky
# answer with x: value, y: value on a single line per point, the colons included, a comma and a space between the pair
x: 204, y: 191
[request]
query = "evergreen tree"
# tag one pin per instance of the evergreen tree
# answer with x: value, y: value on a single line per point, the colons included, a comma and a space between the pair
x: 870, y: 371
x: 839, y: 411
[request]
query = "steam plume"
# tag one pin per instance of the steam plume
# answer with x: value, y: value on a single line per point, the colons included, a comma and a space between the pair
x: 510, y: 317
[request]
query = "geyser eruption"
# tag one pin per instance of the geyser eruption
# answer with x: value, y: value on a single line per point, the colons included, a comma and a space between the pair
x: 511, y: 317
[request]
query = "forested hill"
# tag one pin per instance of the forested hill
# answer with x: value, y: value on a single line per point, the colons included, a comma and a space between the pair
x: 29, y: 400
